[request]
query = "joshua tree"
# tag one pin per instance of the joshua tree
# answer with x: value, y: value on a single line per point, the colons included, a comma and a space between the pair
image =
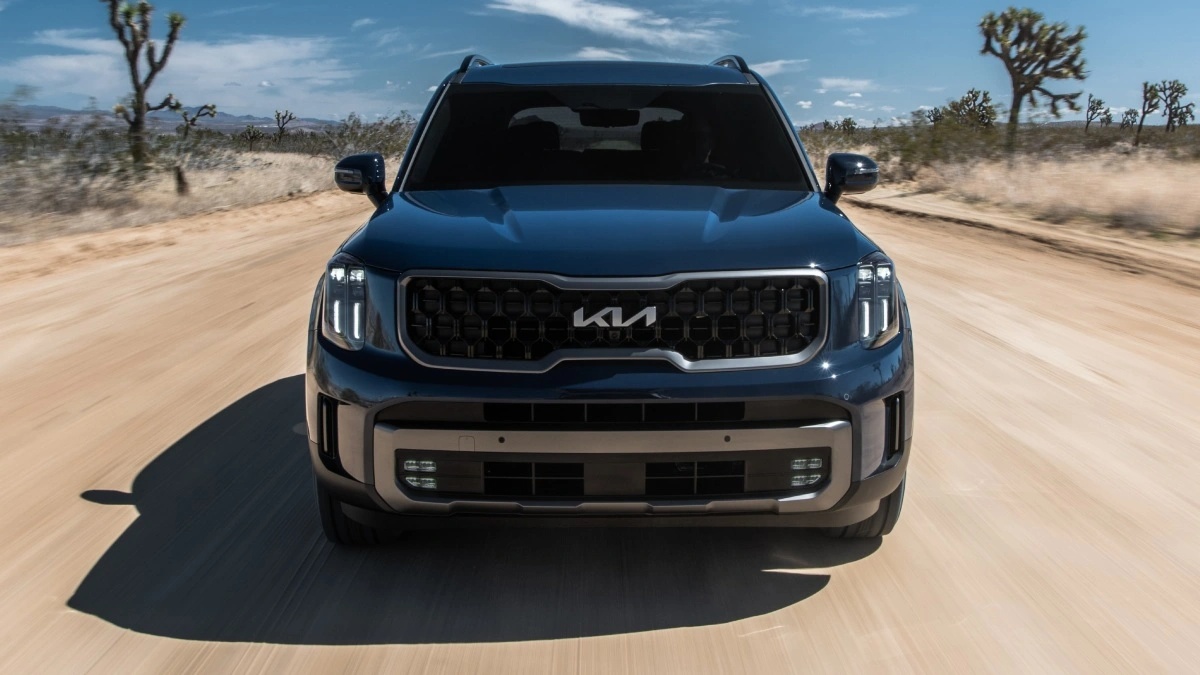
x: 251, y: 135
x: 191, y: 119
x: 974, y: 109
x: 1184, y: 115
x: 1033, y: 51
x: 847, y: 125
x: 1106, y: 119
x: 1095, y: 110
x: 1129, y: 118
x: 282, y: 118
x: 1177, y: 114
x: 935, y: 115
x: 131, y: 23
x: 1151, y: 100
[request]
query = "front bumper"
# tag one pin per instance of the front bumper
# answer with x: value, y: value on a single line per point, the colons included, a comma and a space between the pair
x: 856, y: 381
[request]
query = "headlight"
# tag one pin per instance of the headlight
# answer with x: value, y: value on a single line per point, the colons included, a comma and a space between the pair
x: 344, y: 315
x: 878, y: 311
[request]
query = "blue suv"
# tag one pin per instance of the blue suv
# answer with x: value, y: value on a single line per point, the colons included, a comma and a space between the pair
x: 608, y: 293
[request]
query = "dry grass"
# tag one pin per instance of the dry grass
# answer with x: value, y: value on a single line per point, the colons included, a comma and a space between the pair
x: 236, y: 180
x: 1139, y: 193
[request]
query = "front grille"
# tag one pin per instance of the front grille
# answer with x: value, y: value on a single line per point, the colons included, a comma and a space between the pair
x: 702, y: 319
x: 670, y: 475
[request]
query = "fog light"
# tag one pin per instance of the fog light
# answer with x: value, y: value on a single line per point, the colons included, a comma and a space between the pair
x: 805, y: 479
x: 809, y: 463
x: 425, y: 465
x: 422, y: 482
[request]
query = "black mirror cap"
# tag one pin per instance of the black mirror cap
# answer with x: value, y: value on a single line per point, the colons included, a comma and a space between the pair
x: 363, y: 174
x: 848, y: 173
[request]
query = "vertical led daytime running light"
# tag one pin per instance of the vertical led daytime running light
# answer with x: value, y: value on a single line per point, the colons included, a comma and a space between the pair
x: 876, y: 300
x: 345, y: 302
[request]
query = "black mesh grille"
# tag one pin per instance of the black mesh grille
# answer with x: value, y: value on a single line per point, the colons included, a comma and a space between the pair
x: 527, y: 320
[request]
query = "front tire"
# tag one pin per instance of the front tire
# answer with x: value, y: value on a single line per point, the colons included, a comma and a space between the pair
x: 340, y: 529
x: 877, y: 525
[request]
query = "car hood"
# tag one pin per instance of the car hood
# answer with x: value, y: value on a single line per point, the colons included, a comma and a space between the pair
x: 610, y: 230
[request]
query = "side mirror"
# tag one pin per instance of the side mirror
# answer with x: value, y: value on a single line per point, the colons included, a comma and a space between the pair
x: 363, y: 174
x: 847, y: 173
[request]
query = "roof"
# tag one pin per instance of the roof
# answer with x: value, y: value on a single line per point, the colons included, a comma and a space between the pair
x: 604, y: 72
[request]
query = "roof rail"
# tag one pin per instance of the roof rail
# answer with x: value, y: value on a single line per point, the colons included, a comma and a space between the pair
x: 472, y: 61
x: 732, y: 61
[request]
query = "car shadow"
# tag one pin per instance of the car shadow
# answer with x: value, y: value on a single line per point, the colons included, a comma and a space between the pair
x: 227, y: 547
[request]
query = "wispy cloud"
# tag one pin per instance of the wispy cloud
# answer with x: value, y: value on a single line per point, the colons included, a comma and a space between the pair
x: 845, y: 84
x: 305, y: 74
x: 772, y: 68
x: 856, y: 95
x: 449, y: 52
x: 386, y: 37
x: 623, y: 22
x: 856, y: 14
x: 240, y: 10
x: 602, y: 54
x: 804, y: 104
x: 845, y: 104
x: 362, y: 23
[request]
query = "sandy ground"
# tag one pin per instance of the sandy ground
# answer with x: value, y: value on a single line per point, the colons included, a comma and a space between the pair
x: 156, y: 515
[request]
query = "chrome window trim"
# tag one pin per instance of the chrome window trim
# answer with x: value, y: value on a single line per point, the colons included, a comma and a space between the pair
x: 616, y: 284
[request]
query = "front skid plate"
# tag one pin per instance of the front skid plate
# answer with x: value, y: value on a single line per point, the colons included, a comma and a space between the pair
x: 836, y: 436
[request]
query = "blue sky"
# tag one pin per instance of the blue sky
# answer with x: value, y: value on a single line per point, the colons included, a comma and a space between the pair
x: 319, y: 59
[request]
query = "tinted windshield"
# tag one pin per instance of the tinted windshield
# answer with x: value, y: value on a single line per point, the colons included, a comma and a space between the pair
x: 488, y: 136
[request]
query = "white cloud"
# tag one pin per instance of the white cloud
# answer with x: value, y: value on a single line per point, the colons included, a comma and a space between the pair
x: 804, y: 104
x: 887, y: 108
x: 77, y: 39
x: 772, y: 68
x: 850, y: 14
x: 623, y: 22
x: 384, y: 38
x: 362, y: 23
x: 449, y: 52
x: 602, y: 54
x: 307, y: 74
x: 845, y: 84
x: 856, y: 95
x: 821, y: 91
x: 240, y: 10
x: 844, y: 104
x: 432, y: 88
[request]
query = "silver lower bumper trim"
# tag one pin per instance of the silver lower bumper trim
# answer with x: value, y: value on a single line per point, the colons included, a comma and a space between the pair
x: 836, y: 436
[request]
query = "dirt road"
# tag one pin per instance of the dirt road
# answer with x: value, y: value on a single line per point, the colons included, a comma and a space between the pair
x: 155, y: 510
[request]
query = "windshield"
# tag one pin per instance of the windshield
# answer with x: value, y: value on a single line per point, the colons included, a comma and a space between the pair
x: 484, y: 136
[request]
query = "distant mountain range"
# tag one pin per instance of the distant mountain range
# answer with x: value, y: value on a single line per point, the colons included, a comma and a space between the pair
x: 37, y: 116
